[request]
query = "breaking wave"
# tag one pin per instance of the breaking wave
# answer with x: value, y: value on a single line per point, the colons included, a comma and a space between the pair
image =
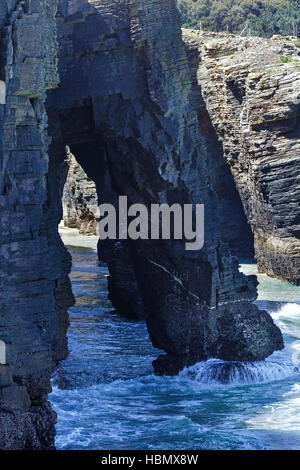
x: 215, y: 371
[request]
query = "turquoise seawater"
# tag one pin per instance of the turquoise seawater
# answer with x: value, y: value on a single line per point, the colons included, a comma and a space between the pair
x: 107, y: 397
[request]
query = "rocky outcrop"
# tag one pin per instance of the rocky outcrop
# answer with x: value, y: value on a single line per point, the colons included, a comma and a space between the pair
x: 80, y: 201
x: 251, y: 90
x: 234, y: 227
x: 123, y: 107
x: 34, y: 291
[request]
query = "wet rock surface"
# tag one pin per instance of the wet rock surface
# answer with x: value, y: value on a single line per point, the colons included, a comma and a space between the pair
x: 32, y: 429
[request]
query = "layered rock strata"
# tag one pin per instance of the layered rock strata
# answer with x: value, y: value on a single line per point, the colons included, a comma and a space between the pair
x: 123, y: 107
x: 234, y: 227
x: 34, y: 291
x: 80, y: 201
x: 251, y: 88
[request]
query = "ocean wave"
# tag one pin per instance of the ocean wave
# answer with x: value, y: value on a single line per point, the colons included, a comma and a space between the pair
x: 216, y: 371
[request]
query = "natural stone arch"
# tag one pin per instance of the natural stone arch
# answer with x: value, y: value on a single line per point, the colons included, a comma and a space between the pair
x: 139, y: 64
x: 2, y: 92
x: 135, y: 125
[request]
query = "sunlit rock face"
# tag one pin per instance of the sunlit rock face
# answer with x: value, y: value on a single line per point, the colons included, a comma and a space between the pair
x: 123, y: 107
x: 234, y: 227
x: 80, y: 201
x: 251, y: 89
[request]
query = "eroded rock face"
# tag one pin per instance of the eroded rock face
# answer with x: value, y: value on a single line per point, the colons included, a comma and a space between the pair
x: 123, y: 107
x: 80, y: 201
x: 251, y: 89
x: 234, y: 227
x: 34, y: 289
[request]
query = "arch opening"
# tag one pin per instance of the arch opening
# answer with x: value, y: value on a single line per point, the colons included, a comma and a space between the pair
x: 137, y: 137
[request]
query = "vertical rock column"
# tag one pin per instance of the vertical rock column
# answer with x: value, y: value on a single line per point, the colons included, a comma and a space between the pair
x: 29, y: 271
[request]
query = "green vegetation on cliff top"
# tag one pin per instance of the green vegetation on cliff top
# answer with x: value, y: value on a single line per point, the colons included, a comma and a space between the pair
x: 266, y: 17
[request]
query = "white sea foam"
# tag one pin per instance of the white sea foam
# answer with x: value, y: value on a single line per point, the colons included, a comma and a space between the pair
x: 280, y: 366
x: 283, y: 415
x: 215, y: 371
x: 288, y: 312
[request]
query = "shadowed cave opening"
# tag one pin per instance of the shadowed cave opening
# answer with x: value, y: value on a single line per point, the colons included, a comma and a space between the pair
x: 91, y: 152
x: 95, y: 150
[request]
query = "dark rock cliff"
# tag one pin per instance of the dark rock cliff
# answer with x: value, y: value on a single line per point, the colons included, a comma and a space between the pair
x: 251, y: 89
x: 33, y: 260
x: 123, y: 106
